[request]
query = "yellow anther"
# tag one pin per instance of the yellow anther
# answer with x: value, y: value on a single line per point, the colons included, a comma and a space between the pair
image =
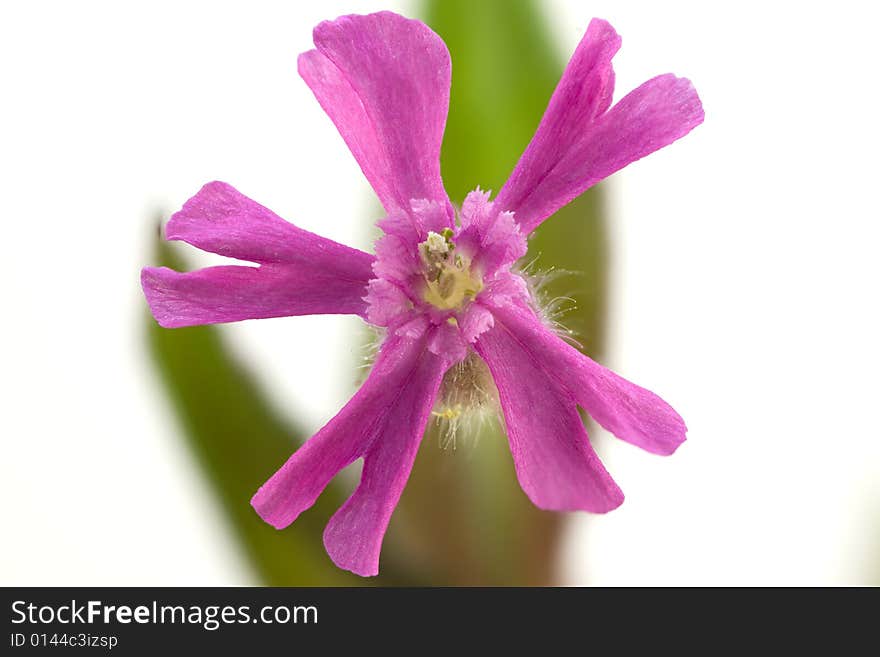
x: 448, y: 413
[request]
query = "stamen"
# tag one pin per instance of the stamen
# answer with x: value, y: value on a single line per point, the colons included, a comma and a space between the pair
x: 449, y: 283
x: 437, y: 244
x: 468, y: 399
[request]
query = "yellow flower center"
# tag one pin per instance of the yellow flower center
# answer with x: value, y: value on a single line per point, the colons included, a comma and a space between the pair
x: 449, y: 282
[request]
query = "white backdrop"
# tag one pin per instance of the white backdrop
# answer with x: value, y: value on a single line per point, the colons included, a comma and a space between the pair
x: 745, y: 278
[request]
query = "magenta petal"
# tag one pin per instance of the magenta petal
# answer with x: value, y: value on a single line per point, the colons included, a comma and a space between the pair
x: 447, y: 341
x: 648, y: 118
x: 302, y: 273
x: 353, y: 537
x: 476, y: 320
x: 578, y: 143
x: 493, y: 238
x: 222, y: 220
x: 345, y: 438
x: 384, y: 81
x: 583, y: 92
x: 630, y: 412
x: 234, y: 293
x: 555, y: 463
x: 396, y: 260
x: 383, y: 422
x: 387, y: 304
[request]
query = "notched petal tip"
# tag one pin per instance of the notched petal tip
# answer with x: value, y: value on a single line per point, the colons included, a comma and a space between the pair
x: 360, y: 557
x: 669, y: 449
x: 631, y: 413
x: 154, y: 283
x: 262, y: 502
x: 202, y: 206
x: 307, y: 64
x: 660, y: 430
x: 610, y: 498
x: 614, y: 501
x: 373, y: 24
x: 600, y: 31
x: 683, y: 98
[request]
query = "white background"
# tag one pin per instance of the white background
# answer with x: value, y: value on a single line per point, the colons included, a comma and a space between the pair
x: 745, y: 276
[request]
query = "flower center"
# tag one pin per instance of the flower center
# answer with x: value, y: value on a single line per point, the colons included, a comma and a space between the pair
x: 449, y: 283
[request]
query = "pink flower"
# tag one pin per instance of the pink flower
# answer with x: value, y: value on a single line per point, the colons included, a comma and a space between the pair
x: 461, y: 327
